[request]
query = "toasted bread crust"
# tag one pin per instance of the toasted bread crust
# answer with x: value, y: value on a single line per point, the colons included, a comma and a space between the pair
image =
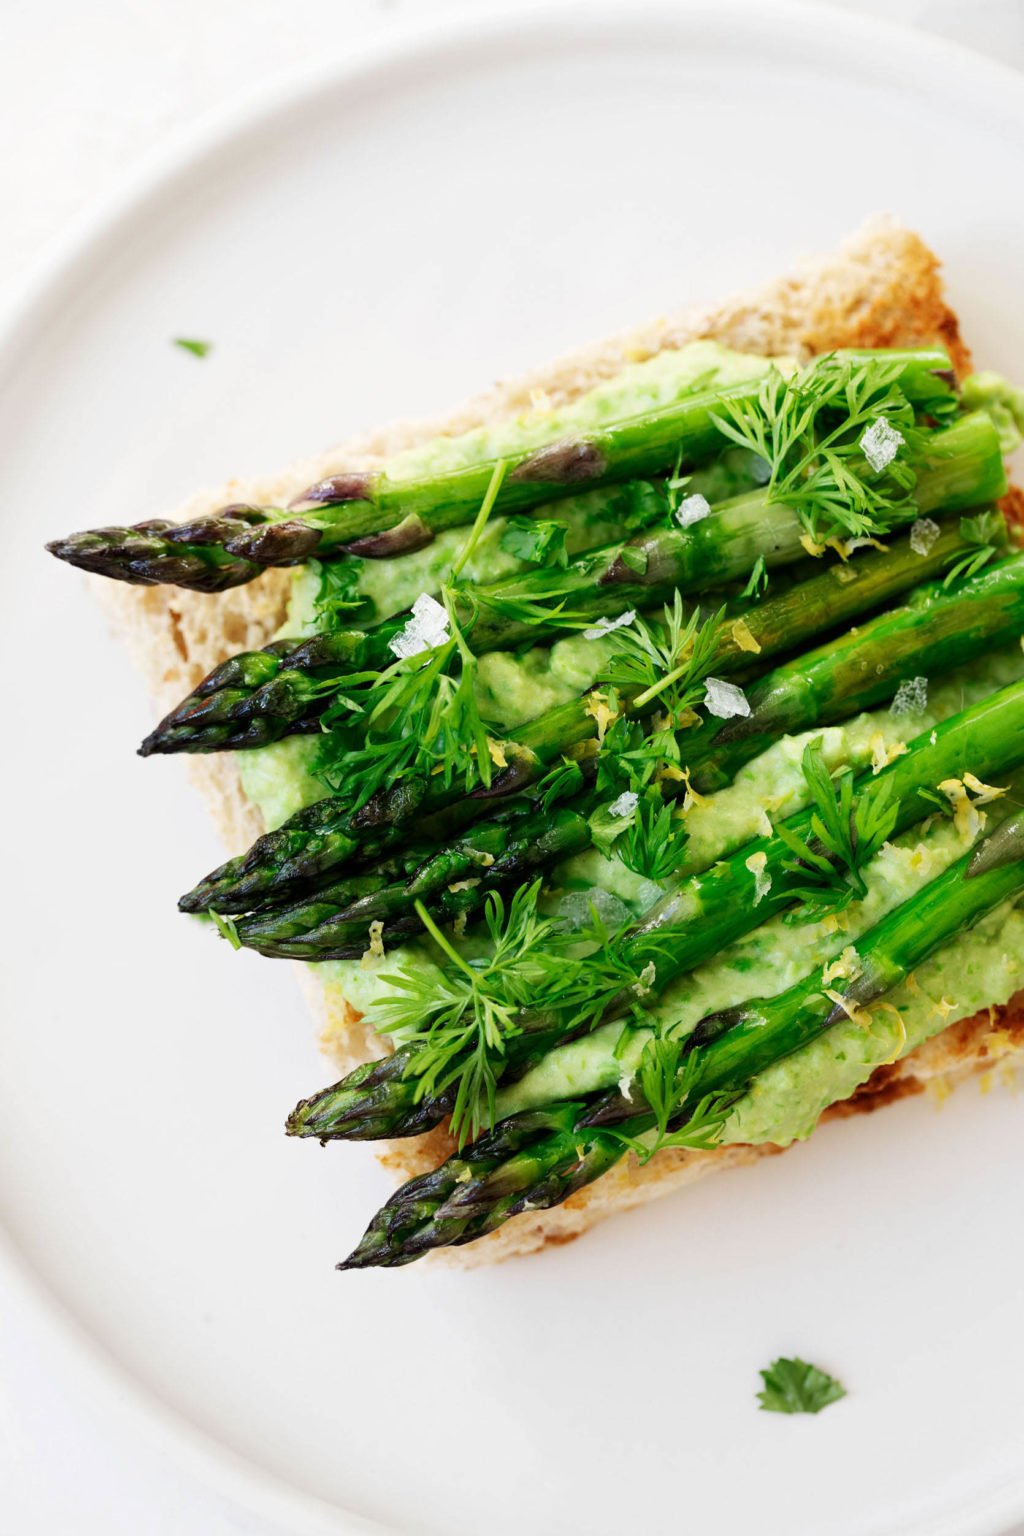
x: 881, y: 289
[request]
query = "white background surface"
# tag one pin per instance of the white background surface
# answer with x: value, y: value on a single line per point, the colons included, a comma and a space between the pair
x: 85, y: 93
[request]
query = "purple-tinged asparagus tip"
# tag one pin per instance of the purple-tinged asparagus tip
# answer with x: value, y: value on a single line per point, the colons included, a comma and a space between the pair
x: 276, y: 543
x: 354, y: 485
x: 405, y: 538
x: 561, y: 464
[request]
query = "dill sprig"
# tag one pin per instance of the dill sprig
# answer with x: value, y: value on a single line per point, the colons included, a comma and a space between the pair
x: 561, y: 782
x: 985, y: 534
x: 808, y: 430
x: 460, y: 1016
x: 419, y: 715
x: 847, y: 833
x: 654, y: 845
x: 667, y: 1076
x: 665, y: 663
x: 757, y: 585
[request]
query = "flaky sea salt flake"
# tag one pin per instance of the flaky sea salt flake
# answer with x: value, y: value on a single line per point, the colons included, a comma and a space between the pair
x: 426, y: 628
x: 881, y: 443
x: 625, y: 805
x: 911, y: 697
x: 724, y: 700
x: 606, y: 626
x: 923, y: 534
x: 692, y: 509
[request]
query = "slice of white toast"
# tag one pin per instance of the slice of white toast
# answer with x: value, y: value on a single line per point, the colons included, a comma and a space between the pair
x: 882, y: 288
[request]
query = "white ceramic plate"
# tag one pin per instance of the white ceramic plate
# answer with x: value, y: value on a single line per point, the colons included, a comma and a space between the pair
x: 381, y: 241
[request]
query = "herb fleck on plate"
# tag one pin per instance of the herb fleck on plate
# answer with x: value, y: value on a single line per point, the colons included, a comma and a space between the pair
x: 190, y: 344
x: 793, y: 1386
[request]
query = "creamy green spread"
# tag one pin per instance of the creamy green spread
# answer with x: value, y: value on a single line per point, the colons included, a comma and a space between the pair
x: 980, y: 968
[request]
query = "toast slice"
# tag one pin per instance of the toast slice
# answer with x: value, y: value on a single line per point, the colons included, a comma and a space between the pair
x: 882, y: 288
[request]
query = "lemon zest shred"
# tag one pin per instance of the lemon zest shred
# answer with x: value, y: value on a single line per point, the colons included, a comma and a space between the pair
x: 740, y: 630
x: 692, y: 796
x: 856, y: 1015
x: 598, y: 710
x: 883, y: 753
x: 848, y: 967
x: 376, y: 949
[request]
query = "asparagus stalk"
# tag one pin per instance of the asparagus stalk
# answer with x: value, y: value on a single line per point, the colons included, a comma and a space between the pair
x: 349, y: 512
x: 321, y: 841
x: 536, y: 1161
x: 454, y: 880
x: 260, y: 696
x: 939, y: 629
x: 699, y: 918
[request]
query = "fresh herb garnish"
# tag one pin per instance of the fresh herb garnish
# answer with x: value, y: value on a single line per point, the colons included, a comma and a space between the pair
x: 338, y: 598
x: 534, y: 539
x: 419, y: 716
x: 559, y: 783
x: 757, y: 586
x: 793, y: 1386
x: 667, y: 1078
x: 461, y: 1017
x: 827, y: 877
x: 809, y: 430
x: 197, y: 348
x: 667, y: 663
x: 984, y: 533
x: 225, y: 926
x: 655, y: 844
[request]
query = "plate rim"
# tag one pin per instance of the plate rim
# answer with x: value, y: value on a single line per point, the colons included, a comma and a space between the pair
x: 130, y: 1402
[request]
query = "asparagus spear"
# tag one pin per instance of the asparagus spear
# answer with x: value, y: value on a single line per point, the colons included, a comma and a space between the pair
x: 538, y: 1161
x: 259, y: 696
x: 351, y: 511
x: 455, y: 880
x: 939, y: 629
x: 323, y: 839
x: 697, y: 919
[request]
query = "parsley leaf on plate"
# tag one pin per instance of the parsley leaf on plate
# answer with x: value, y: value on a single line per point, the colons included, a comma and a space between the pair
x: 793, y: 1386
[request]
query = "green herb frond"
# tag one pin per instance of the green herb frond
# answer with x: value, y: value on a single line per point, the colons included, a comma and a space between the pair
x: 338, y: 598
x: 826, y: 875
x: 654, y: 846
x: 461, y: 1016
x: 793, y: 1386
x: 561, y: 782
x: 419, y: 717
x: 757, y: 586
x: 667, y: 662
x: 667, y: 1077
x: 808, y: 430
x: 534, y: 539
x: 985, y: 535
